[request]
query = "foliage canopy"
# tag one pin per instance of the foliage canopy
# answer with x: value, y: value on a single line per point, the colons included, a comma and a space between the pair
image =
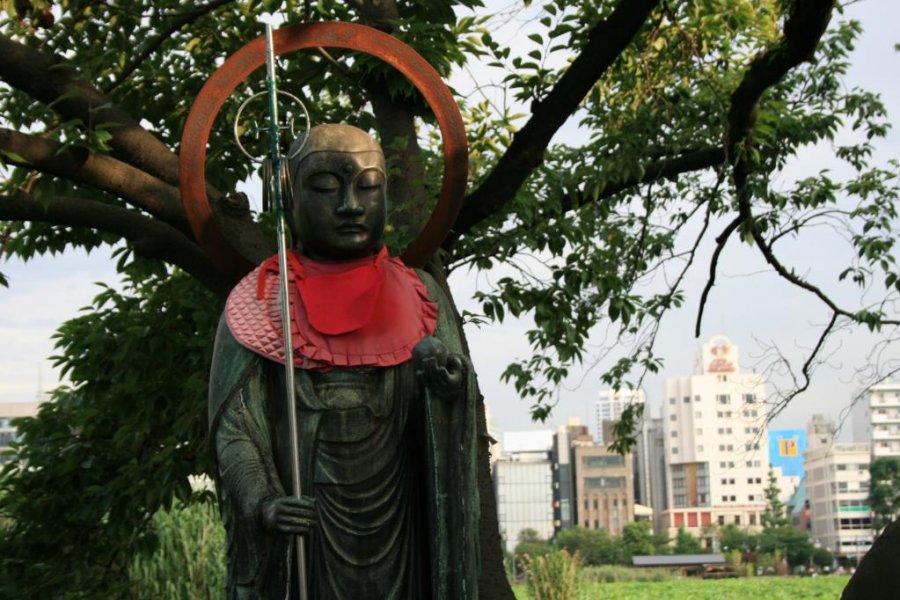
x: 688, y: 115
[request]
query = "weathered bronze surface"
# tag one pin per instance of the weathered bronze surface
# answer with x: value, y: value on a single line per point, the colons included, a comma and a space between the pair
x: 387, y: 454
x: 213, y: 95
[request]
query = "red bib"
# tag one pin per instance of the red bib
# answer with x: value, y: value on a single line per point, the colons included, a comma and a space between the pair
x: 364, y: 312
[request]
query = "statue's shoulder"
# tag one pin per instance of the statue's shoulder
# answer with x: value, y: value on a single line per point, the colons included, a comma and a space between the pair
x: 231, y: 362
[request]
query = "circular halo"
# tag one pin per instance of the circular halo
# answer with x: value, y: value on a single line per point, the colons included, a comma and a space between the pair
x: 237, y: 120
x: 349, y: 36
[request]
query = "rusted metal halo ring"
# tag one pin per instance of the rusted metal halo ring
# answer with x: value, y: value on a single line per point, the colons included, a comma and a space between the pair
x: 241, y: 64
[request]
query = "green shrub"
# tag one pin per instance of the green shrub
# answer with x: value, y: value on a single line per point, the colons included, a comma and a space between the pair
x: 189, y: 560
x: 553, y: 576
x: 616, y: 574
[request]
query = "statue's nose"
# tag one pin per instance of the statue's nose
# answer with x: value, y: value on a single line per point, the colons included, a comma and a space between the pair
x: 350, y: 205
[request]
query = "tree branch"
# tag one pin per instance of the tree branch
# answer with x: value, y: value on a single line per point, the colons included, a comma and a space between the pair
x: 802, y: 31
x: 150, y: 237
x: 154, y: 44
x: 51, y: 80
x: 96, y: 170
x: 695, y: 160
x: 721, y: 240
x: 606, y: 41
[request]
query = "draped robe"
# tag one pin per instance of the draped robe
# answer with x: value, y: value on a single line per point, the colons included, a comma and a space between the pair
x: 390, y: 464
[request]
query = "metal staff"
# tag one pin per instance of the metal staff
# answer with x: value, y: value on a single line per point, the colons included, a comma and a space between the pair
x: 280, y: 218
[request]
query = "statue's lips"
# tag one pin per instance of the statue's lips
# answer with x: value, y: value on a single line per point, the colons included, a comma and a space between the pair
x: 352, y: 228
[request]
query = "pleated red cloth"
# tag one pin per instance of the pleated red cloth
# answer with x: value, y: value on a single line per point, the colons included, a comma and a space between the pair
x: 364, y: 312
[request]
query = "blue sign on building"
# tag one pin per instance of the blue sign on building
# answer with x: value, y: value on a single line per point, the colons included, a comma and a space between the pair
x: 786, y: 448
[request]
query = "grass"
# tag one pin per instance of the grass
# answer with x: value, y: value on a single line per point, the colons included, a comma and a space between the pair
x: 768, y: 588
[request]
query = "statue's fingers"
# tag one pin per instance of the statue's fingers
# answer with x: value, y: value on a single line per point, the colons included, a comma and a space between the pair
x: 295, y: 524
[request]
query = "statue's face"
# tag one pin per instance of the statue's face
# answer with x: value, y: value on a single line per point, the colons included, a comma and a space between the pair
x: 340, y: 203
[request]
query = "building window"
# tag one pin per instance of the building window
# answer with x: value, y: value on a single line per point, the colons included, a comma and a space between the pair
x: 749, y: 398
x: 672, y: 400
x: 723, y: 399
x: 724, y: 498
x: 673, y: 433
x: 673, y: 417
x: 686, y: 399
x: 698, y: 414
x: 674, y: 450
x: 737, y: 518
x: 752, y: 516
x: 750, y: 497
x: 696, y: 398
x: 734, y: 499
x: 724, y: 481
x: 699, y: 431
x: 700, y: 448
x: 721, y: 519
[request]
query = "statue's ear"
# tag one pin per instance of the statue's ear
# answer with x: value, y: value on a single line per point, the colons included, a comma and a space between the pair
x: 287, y: 197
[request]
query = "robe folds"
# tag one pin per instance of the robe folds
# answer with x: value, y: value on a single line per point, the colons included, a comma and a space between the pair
x: 390, y: 464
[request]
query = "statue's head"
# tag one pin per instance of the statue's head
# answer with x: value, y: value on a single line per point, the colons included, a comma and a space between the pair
x: 339, y: 190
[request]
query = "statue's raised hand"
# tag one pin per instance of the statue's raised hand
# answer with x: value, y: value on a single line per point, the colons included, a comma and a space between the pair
x: 289, y: 514
x: 440, y: 371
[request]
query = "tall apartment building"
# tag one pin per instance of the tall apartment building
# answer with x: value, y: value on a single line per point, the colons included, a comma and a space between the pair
x: 837, y: 489
x: 876, y: 419
x: 650, y: 468
x: 8, y: 433
x: 523, y: 484
x: 716, y: 444
x: 610, y: 405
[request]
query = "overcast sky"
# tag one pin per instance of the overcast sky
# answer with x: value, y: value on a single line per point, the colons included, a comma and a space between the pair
x: 748, y: 304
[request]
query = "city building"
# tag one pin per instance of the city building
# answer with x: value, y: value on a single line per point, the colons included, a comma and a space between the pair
x: 604, y: 488
x: 716, y: 444
x: 786, y: 448
x: 564, y: 473
x: 837, y: 490
x: 523, y: 484
x: 876, y: 418
x: 8, y: 433
x: 650, y: 468
x: 610, y: 405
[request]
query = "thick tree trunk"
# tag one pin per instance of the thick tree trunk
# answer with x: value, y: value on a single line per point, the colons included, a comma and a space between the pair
x: 878, y: 575
x: 492, y: 584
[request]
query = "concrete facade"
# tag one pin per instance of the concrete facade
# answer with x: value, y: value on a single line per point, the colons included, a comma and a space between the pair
x: 604, y: 488
x: 523, y: 484
x: 716, y: 444
x: 837, y: 490
x: 876, y: 419
x: 650, y: 469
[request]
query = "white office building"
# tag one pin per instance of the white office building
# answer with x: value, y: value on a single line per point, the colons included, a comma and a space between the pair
x: 523, y: 483
x: 876, y: 419
x: 610, y: 405
x: 716, y: 444
x: 837, y: 488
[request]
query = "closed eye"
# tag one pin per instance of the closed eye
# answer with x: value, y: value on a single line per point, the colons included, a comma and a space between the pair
x: 323, y: 182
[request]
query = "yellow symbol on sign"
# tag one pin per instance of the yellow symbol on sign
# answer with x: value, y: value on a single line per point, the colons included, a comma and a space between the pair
x: 788, y: 446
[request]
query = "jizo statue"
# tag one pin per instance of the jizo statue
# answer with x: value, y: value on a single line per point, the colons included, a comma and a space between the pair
x: 385, y: 404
